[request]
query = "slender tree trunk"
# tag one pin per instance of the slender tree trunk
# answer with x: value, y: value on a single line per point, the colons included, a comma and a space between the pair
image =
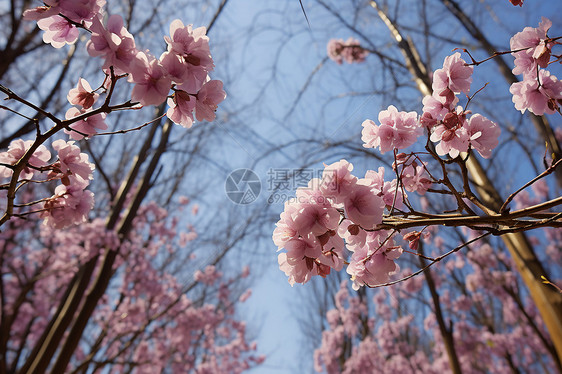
x: 547, y: 300
x: 446, y: 332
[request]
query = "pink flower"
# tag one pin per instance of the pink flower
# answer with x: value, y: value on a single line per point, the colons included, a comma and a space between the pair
x: 363, y: 207
x: 192, y: 47
x: 181, y: 108
x: 152, y: 83
x: 415, y: 178
x: 301, y: 248
x: 530, y: 48
x: 300, y: 261
x: 113, y: 43
x: 454, y: 77
x: 297, y: 273
x: 67, y: 207
x: 373, y: 263
x: 398, y: 130
x: 337, y: 181
x: 82, y: 95
x: 16, y: 150
x: 452, y: 135
x: 353, y: 235
x: 349, y: 50
x: 386, y: 190
x: 315, y: 219
x: 435, y: 108
x: 286, y: 228
x: 332, y: 251
x: 58, y: 31
x: 39, y: 12
x: 81, y: 11
x: 209, y: 276
x: 483, y: 134
x: 178, y: 70
x: 87, y: 126
x: 208, y: 98
x: 245, y: 296
x: 539, y: 100
x: 72, y: 161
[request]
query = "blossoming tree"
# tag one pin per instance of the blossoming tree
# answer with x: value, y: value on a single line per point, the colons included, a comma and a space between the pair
x: 105, y: 294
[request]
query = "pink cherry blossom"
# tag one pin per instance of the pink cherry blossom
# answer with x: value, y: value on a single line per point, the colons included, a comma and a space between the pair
x: 363, y: 207
x: 349, y: 51
x: 337, y: 180
x: 81, y: 11
x: 530, y: 48
x: 315, y: 219
x: 483, y: 134
x: 245, y: 296
x: 415, y: 178
x: 312, y: 194
x: 452, y: 134
x: 209, y: 97
x: 152, y: 83
x: 435, y: 108
x: 297, y: 273
x: 286, y: 228
x: 305, y: 257
x: 58, y: 31
x: 39, y: 12
x: 181, y: 108
x: 538, y: 99
x: 179, y: 71
x: 192, y: 47
x: 113, y: 43
x: 386, y: 189
x: 332, y: 252
x: 72, y: 161
x: 301, y: 248
x: 88, y: 126
x: 398, y: 130
x: 209, y: 276
x: 82, y: 95
x: 373, y: 263
x: 16, y: 150
x: 68, y: 207
x: 455, y: 76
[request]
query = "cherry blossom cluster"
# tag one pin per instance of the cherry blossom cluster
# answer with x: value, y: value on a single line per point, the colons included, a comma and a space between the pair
x: 71, y: 202
x: 180, y: 76
x: 341, y: 206
x: 183, y: 68
x: 148, y: 322
x: 447, y: 123
x: 540, y: 91
x: 338, y: 212
x: 349, y: 51
x: 495, y: 326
